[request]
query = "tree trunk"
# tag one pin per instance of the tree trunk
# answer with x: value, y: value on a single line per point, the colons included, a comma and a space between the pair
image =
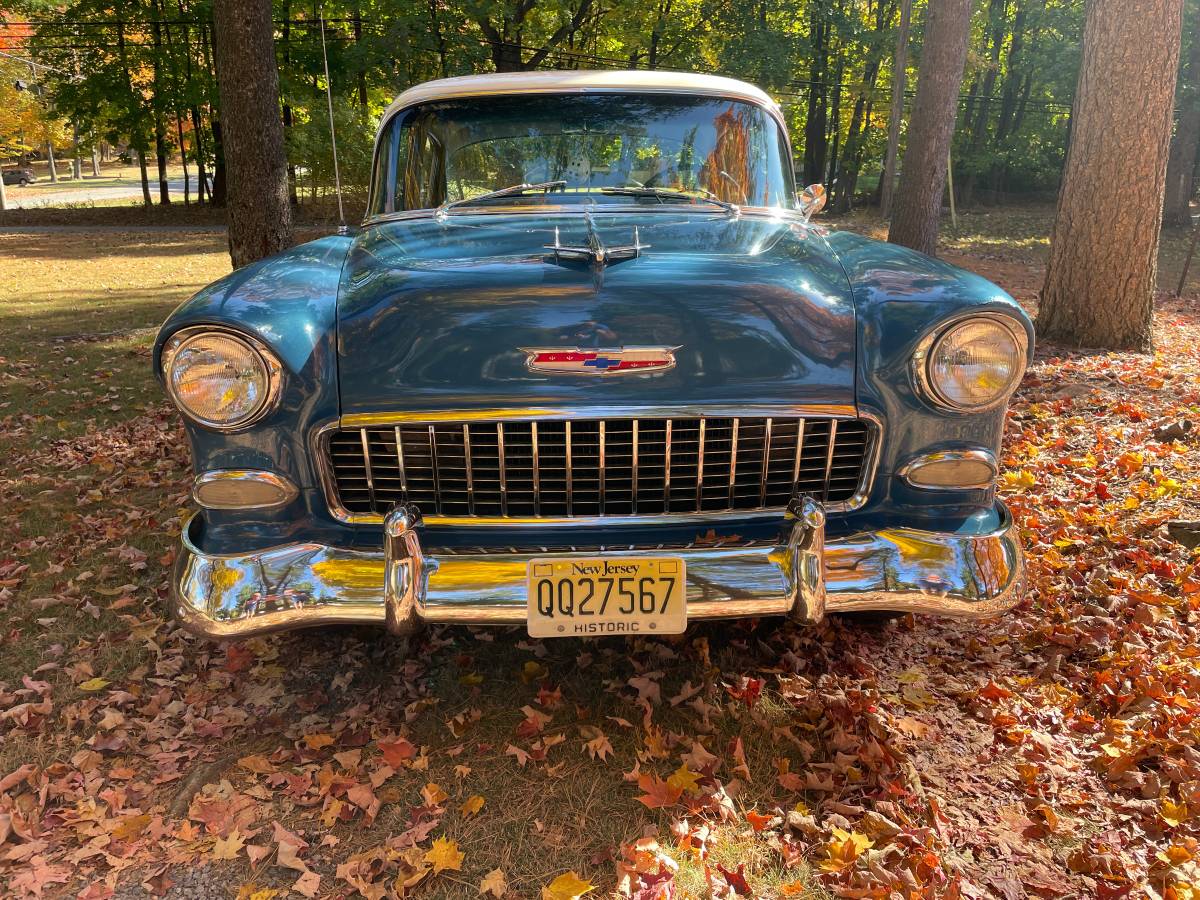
x: 293, y: 197
x: 943, y: 56
x: 260, y: 218
x: 815, y: 150
x: 1181, y: 165
x: 887, y: 182
x: 1100, y: 280
x: 160, y: 128
x: 141, y: 158
x: 977, y: 125
x: 852, y: 151
x: 50, y: 161
x: 95, y: 163
x: 3, y: 196
x: 76, y: 163
x: 356, y: 23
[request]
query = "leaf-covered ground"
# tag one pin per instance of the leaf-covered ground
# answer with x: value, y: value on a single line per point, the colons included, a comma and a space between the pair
x: 1050, y: 753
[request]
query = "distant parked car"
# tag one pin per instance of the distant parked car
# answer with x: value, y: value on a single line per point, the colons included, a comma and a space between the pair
x: 21, y: 175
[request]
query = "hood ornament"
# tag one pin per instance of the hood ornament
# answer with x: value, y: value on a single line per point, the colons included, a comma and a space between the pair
x: 599, y: 360
x: 595, y: 251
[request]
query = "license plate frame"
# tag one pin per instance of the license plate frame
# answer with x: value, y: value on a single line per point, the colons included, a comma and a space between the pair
x: 652, y: 588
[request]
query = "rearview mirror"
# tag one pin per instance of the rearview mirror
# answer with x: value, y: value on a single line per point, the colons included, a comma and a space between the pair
x: 812, y: 200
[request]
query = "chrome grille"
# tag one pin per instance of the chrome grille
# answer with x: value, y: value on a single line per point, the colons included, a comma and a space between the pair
x: 598, y: 467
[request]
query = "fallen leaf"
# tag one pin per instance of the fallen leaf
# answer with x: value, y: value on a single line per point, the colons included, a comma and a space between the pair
x: 444, y: 854
x: 567, y: 886
x: 494, y: 883
x: 228, y: 847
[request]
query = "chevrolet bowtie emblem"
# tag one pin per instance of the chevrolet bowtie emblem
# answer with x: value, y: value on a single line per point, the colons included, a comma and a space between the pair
x: 599, y: 361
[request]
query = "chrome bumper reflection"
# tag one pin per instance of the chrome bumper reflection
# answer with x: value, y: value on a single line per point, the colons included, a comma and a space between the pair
x: 803, y: 575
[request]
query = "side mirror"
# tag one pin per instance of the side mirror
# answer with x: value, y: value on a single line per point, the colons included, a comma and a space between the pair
x: 812, y: 200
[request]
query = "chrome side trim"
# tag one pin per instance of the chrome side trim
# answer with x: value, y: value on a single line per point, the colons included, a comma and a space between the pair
x: 320, y: 437
x: 909, y: 470
x: 287, y: 490
x: 902, y: 569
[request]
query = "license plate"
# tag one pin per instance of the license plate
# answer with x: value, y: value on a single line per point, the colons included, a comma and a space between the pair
x: 584, y: 596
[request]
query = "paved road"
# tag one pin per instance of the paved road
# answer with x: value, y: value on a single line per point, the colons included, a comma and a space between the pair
x: 45, y: 194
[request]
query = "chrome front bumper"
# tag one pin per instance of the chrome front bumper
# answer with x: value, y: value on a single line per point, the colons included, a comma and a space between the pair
x: 802, y: 575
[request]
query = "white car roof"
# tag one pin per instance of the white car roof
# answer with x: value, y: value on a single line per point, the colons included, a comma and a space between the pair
x: 580, y: 81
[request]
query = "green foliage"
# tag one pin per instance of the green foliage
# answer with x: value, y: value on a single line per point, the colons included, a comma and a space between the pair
x: 148, y: 63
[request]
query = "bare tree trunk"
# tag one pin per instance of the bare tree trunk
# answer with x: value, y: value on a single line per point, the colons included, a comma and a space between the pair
x: 50, y: 160
x: 816, y: 119
x: 899, y: 77
x: 160, y: 128
x: 943, y: 56
x: 95, y: 163
x: 3, y: 196
x: 1100, y: 281
x: 76, y: 163
x: 1181, y: 165
x: 260, y: 217
x: 141, y: 158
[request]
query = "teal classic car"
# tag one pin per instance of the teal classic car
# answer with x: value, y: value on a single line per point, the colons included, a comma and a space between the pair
x: 588, y: 367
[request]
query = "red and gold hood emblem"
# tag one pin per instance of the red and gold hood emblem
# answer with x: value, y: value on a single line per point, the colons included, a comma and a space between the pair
x: 599, y: 361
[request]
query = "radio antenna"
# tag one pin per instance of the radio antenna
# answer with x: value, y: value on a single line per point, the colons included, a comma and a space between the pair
x: 337, y: 175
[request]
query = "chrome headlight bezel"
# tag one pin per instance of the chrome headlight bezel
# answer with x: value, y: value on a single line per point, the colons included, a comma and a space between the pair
x: 271, y: 366
x: 926, y: 353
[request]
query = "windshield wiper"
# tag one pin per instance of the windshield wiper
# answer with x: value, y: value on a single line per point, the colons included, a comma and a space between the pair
x: 670, y: 194
x: 544, y: 186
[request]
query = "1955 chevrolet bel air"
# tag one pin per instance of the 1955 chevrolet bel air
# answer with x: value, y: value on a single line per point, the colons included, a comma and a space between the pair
x: 587, y: 366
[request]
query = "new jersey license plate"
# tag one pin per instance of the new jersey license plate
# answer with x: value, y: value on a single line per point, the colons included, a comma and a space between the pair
x: 591, y: 596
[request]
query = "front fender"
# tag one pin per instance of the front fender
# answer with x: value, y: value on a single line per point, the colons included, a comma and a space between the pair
x: 289, y: 302
x: 900, y: 296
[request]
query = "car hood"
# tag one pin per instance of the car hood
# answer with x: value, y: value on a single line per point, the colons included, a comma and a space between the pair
x: 440, y: 314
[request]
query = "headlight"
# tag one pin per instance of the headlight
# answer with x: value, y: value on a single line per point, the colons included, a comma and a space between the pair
x: 220, y: 379
x: 973, y: 364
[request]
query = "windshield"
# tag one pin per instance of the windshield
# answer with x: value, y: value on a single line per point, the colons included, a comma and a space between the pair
x: 456, y: 150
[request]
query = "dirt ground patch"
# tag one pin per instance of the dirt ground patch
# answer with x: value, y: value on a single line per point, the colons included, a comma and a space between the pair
x: 1050, y: 753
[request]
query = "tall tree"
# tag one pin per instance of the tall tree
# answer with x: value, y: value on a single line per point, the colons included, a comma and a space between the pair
x: 1181, y: 164
x: 260, y: 218
x: 1112, y: 191
x: 504, y: 25
x: 887, y: 182
x: 939, y: 77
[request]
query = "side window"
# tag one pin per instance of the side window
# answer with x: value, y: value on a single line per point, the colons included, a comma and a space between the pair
x: 382, y: 173
x: 424, y: 182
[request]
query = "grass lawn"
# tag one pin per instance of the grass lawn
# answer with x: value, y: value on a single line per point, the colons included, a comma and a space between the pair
x: 1050, y: 753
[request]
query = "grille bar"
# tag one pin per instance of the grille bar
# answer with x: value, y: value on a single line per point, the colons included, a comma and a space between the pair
x: 563, y: 468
